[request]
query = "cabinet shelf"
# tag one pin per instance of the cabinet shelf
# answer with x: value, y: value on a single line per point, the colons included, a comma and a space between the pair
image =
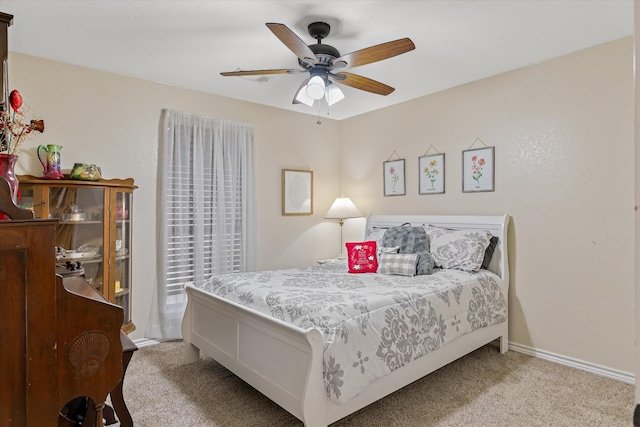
x: 74, y: 223
x: 122, y: 292
x: 83, y: 260
x: 107, y: 205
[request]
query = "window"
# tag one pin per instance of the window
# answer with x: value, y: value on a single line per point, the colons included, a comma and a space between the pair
x: 206, y: 217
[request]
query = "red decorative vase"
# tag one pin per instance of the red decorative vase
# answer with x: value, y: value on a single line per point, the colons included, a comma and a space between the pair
x: 7, y: 165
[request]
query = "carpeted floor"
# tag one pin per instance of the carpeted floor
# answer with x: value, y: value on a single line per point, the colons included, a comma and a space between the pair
x: 483, y: 388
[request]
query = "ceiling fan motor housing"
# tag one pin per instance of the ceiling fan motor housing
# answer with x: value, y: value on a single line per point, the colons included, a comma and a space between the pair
x: 324, y: 52
x: 319, y: 30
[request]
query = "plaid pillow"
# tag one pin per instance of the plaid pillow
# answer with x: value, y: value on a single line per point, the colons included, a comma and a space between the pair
x: 400, y: 264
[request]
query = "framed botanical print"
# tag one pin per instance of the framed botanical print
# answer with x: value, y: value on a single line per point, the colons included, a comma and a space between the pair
x: 478, y: 170
x: 297, y: 192
x: 393, y: 177
x: 431, y: 174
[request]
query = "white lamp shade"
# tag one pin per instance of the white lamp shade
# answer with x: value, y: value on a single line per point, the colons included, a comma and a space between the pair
x: 333, y: 94
x: 343, y: 208
x: 315, y: 87
x: 303, y: 97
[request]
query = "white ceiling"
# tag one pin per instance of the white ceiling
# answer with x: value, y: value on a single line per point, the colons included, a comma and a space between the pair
x: 188, y: 43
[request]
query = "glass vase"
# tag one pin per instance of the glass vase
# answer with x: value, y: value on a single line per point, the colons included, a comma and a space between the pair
x: 7, y: 165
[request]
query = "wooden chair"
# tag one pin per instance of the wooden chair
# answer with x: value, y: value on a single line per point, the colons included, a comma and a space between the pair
x: 117, y: 398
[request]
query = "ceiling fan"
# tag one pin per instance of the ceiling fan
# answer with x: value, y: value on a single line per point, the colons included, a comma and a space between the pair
x: 325, y: 64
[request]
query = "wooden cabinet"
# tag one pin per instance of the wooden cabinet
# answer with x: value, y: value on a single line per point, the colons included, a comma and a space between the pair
x: 59, y: 341
x: 95, y: 230
x: 24, y: 276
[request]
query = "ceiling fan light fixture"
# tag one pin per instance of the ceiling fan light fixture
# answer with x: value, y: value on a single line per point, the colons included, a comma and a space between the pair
x: 333, y: 94
x: 315, y: 87
x: 322, y: 61
x: 302, y: 97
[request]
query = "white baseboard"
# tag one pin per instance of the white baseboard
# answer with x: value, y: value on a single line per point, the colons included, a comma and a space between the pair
x: 615, y: 374
x: 145, y: 342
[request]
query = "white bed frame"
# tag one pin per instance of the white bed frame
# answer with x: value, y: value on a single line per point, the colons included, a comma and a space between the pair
x: 284, y: 362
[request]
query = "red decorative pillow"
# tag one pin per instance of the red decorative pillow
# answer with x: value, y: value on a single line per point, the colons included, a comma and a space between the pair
x: 362, y: 257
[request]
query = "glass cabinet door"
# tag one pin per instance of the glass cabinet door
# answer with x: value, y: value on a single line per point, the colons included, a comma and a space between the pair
x: 122, y: 249
x: 80, y: 234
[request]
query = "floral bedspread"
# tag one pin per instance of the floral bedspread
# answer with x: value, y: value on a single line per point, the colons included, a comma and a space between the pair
x: 371, y: 323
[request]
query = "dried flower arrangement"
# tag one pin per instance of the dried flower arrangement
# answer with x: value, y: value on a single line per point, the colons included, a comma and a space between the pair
x: 18, y: 128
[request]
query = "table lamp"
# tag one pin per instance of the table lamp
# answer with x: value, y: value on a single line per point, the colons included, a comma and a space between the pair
x: 343, y: 208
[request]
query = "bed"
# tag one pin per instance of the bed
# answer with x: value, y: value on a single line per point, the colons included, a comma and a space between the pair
x: 287, y: 363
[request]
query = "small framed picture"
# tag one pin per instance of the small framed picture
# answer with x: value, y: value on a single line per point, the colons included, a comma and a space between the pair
x: 478, y: 170
x: 393, y: 177
x: 431, y: 174
x: 297, y: 192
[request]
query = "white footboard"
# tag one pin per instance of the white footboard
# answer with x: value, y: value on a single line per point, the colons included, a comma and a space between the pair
x: 284, y: 362
x: 280, y: 360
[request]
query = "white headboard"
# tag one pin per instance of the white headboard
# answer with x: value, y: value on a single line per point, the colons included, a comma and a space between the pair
x: 496, y: 225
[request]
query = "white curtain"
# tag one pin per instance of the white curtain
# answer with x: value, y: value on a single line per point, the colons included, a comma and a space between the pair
x: 206, y: 218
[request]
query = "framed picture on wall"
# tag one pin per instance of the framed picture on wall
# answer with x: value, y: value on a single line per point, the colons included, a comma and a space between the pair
x: 431, y: 174
x: 393, y: 177
x: 297, y: 192
x: 478, y: 170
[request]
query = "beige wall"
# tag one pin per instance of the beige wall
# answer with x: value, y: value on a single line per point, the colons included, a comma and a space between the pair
x: 563, y: 137
x: 113, y: 121
x: 563, y: 132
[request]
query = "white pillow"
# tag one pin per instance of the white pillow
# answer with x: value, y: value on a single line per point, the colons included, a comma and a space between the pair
x: 387, y: 250
x: 375, y: 233
x: 458, y: 249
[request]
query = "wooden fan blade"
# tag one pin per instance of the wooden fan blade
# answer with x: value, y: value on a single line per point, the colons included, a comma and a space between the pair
x: 363, y: 83
x: 258, y: 72
x: 293, y: 42
x: 374, y: 53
